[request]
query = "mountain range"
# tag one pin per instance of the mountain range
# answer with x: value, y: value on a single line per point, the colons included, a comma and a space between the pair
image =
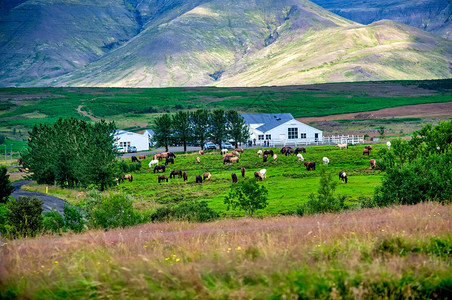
x: 160, y: 43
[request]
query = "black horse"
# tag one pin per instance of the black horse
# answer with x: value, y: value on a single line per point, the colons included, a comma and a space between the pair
x: 163, y: 178
x: 159, y: 168
x: 309, y: 165
x: 298, y: 150
x: 174, y: 173
x: 171, y: 154
x: 234, y: 178
x: 343, y: 176
x: 185, y: 175
x: 198, y: 179
x: 135, y: 159
x: 169, y: 160
x: 268, y: 152
x: 289, y: 151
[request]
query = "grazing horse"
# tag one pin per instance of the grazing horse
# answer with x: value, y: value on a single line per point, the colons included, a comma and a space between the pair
x: 300, y: 157
x: 201, y: 152
x: 388, y: 144
x: 129, y: 177
x: 226, y: 160
x: 235, y: 158
x: 168, y: 161
x: 275, y: 157
x: 198, y: 160
x: 258, y: 176
x: 309, y: 165
x: 159, y: 168
x: 259, y: 153
x: 284, y: 149
x: 234, y: 178
x: 185, y: 175
x: 368, y: 147
x: 242, y: 170
x: 163, y: 178
x: 154, y: 162
x: 343, y: 177
x: 236, y: 153
x: 198, y: 179
x: 174, y: 173
x: 239, y: 150
x: 366, y: 151
x: 265, y: 158
x: 342, y: 146
x: 224, y: 151
x: 206, y: 176
x: 228, y: 155
x: 326, y: 161
x: 289, y: 151
x: 171, y: 154
x: 264, y: 173
x: 373, y: 164
x: 157, y: 156
x: 135, y: 159
x: 142, y: 157
x: 268, y: 152
x: 298, y: 150
x: 164, y: 155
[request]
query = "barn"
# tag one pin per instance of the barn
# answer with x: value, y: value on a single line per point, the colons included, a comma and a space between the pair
x: 281, y: 129
x: 126, y: 139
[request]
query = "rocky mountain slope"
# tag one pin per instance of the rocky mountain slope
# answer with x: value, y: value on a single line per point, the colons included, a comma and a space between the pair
x: 153, y: 43
x: 430, y: 15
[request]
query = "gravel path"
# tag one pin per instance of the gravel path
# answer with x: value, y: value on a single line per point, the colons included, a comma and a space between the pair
x: 49, y: 201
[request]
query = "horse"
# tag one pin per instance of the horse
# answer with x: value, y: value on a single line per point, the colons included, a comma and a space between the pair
x: 342, y: 146
x: 368, y: 147
x: 228, y: 155
x: 236, y: 153
x: 185, y: 175
x: 298, y: 150
x: 259, y: 153
x: 268, y: 152
x: 158, y: 168
x: 223, y: 151
x: 265, y: 158
x: 198, y: 160
x: 201, y: 152
x: 154, y: 162
x: 326, y: 161
x: 174, y: 173
x: 239, y: 150
x: 289, y: 151
x: 258, y: 176
x: 284, y: 149
x: 234, y: 178
x: 162, y: 178
x: 388, y: 144
x: 275, y: 157
x: 242, y: 170
x: 366, y: 151
x: 171, y: 154
x: 198, y: 179
x: 169, y: 160
x: 135, y: 159
x: 309, y: 165
x: 157, y: 157
x: 226, y: 160
x: 129, y: 177
x: 264, y: 173
x: 142, y: 157
x: 235, y: 158
x: 164, y: 155
x: 206, y: 176
x: 343, y: 177
x: 300, y: 157
x: 373, y: 164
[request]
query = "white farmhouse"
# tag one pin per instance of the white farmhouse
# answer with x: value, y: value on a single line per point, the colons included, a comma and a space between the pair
x: 281, y: 129
x: 126, y: 139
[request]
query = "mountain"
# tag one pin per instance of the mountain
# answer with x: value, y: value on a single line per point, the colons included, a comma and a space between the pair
x: 430, y: 15
x: 158, y: 43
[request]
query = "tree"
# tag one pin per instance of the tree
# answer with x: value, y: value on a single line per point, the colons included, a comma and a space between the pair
x: 200, y: 125
x: 247, y: 196
x: 162, y: 131
x: 72, y: 152
x: 238, y: 129
x: 182, y: 128
x: 24, y: 216
x: 5, y: 185
x: 381, y: 131
x: 218, y: 122
x: 2, y: 139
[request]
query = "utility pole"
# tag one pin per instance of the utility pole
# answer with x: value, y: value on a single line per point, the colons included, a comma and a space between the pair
x: 11, y: 154
x: 6, y: 157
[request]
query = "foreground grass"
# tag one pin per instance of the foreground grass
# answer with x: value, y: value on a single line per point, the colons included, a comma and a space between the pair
x: 399, y: 252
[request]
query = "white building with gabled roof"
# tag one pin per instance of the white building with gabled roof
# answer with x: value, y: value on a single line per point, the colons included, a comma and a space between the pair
x: 281, y: 129
x: 126, y: 139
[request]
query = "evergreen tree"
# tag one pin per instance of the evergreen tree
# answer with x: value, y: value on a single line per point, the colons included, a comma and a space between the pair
x: 5, y: 185
x: 200, y: 125
x: 182, y: 128
x: 162, y: 131
x: 218, y: 123
x: 237, y: 127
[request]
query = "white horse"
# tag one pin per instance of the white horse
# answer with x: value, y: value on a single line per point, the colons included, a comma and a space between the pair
x: 326, y: 161
x: 300, y: 157
x: 388, y: 144
x: 153, y: 162
x: 264, y: 173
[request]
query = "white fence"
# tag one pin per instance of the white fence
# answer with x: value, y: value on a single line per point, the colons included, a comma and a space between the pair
x: 326, y: 140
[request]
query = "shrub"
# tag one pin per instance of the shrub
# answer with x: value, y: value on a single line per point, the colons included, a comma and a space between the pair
x: 53, y: 221
x: 5, y: 185
x: 188, y: 211
x: 5, y: 227
x: 247, y: 196
x: 72, y: 219
x: 324, y: 201
x: 24, y: 216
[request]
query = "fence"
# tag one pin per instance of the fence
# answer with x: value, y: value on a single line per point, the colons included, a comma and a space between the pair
x: 326, y: 140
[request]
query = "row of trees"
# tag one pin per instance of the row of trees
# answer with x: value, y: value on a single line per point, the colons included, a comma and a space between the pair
x: 186, y: 127
x: 72, y: 152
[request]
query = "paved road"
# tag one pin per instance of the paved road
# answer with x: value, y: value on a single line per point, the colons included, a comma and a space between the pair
x: 49, y: 201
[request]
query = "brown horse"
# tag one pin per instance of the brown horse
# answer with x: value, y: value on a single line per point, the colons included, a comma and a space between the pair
x: 201, y: 152
x: 206, y: 176
x: 298, y: 150
x: 185, y: 175
x: 242, y: 170
x: 373, y: 164
x: 234, y: 178
x: 366, y: 151
x: 268, y: 152
x: 198, y: 179
x: 309, y: 165
x: 162, y: 178
x: 258, y: 176
x: 239, y: 150
x: 265, y: 158
x: 235, y: 159
x: 289, y: 151
x: 159, y: 168
x: 174, y: 173
x: 142, y: 157
x: 129, y: 177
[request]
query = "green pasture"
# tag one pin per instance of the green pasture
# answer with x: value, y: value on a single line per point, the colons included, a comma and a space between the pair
x: 288, y: 182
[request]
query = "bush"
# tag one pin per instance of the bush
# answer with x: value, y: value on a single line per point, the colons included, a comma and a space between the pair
x: 24, y: 216
x: 5, y: 227
x: 188, y: 211
x: 247, y: 196
x: 5, y: 185
x: 72, y: 219
x: 53, y: 221
x: 115, y: 210
x: 324, y: 201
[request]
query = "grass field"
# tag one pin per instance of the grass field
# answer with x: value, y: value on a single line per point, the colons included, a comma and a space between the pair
x: 288, y: 181
x: 391, y: 253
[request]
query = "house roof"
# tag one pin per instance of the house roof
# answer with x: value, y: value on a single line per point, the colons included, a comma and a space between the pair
x: 269, y: 121
x: 149, y: 131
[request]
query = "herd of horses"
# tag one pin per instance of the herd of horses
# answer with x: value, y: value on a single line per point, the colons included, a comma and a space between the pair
x: 234, y: 156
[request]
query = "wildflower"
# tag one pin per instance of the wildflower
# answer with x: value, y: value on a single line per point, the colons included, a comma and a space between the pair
x: 174, y: 255
x: 229, y: 249
x: 239, y: 248
x: 382, y: 230
x: 42, y: 266
x: 145, y: 246
x: 177, y: 259
x: 167, y: 258
x: 56, y: 262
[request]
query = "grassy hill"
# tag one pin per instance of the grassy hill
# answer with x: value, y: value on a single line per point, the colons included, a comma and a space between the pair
x: 198, y: 43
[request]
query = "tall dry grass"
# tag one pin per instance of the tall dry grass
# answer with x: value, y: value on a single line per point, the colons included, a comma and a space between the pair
x: 384, y: 252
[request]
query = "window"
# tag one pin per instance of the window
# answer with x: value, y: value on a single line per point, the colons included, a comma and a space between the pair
x: 302, y: 135
x: 292, y: 133
x: 261, y: 137
x: 268, y: 136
